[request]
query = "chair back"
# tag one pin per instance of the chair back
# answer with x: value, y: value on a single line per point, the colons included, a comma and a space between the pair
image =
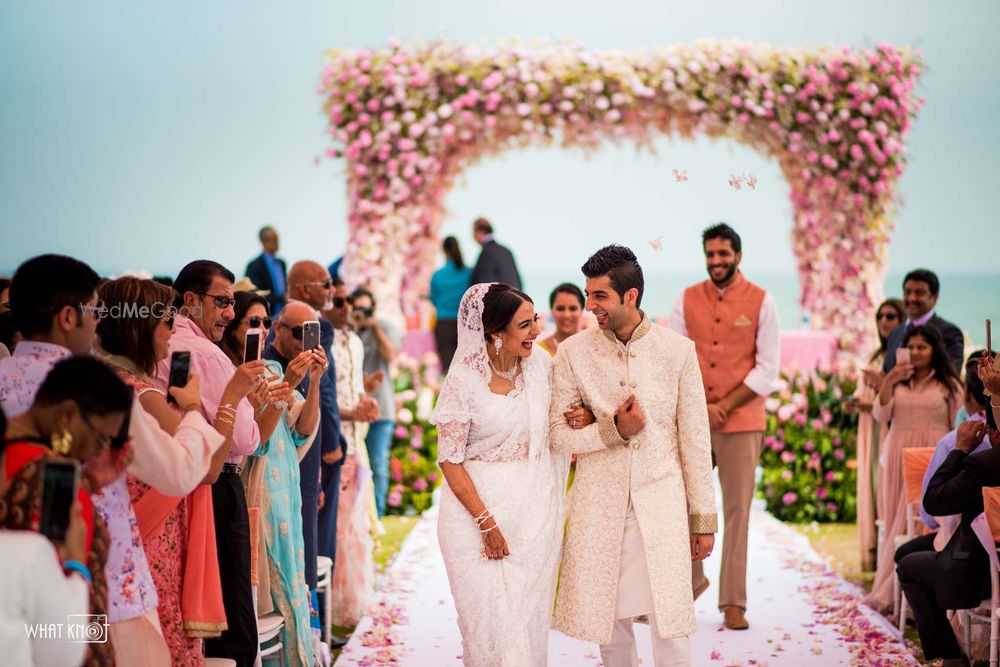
x: 991, y: 506
x: 253, y: 515
x: 915, y: 462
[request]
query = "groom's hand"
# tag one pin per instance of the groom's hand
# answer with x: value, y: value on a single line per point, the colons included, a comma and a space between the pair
x: 701, y: 546
x: 629, y: 417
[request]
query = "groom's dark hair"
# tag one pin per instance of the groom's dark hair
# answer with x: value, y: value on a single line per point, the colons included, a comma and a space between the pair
x: 620, y: 265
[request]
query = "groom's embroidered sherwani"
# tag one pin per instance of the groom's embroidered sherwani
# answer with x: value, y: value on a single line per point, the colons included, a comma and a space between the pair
x: 663, y: 474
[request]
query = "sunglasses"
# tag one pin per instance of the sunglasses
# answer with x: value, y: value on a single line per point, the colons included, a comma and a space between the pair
x: 117, y: 441
x: 327, y: 284
x: 169, y: 321
x: 887, y: 316
x: 295, y: 331
x: 255, y: 322
x: 340, y: 302
x: 220, y: 301
x: 364, y: 312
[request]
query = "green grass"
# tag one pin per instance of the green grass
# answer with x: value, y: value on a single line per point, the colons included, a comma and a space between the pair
x: 396, y: 530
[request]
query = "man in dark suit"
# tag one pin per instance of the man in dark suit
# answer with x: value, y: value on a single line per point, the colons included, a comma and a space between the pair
x: 958, y: 577
x: 496, y: 263
x: 920, y: 295
x: 268, y: 271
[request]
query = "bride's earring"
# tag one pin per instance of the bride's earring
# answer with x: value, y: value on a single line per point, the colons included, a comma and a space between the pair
x: 497, y: 343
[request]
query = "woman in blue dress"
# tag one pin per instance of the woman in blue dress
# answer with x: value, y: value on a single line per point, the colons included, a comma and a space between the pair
x: 273, y: 479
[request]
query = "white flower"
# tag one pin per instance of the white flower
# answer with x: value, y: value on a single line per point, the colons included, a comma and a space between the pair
x: 602, y: 103
x: 596, y: 86
x: 523, y: 109
x: 444, y: 111
x: 531, y: 90
x: 404, y: 416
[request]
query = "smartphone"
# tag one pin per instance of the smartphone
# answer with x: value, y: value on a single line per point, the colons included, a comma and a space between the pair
x: 60, y: 481
x: 251, y: 351
x: 310, y: 335
x: 989, y: 343
x: 902, y: 356
x: 119, y: 441
x: 180, y: 369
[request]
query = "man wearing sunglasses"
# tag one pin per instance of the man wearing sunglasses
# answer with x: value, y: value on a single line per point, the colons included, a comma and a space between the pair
x: 205, y: 293
x: 310, y: 283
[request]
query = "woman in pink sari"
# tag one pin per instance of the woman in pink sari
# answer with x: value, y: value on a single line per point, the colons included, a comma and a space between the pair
x: 919, y: 401
x: 888, y: 316
x: 178, y: 533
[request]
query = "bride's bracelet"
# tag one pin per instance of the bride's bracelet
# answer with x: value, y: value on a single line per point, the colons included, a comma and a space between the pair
x: 493, y: 527
x: 483, y: 517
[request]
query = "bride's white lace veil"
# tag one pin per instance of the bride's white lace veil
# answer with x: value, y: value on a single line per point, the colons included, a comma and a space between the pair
x: 471, y: 352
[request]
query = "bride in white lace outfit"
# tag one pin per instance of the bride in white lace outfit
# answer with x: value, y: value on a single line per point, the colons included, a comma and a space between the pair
x: 501, y: 513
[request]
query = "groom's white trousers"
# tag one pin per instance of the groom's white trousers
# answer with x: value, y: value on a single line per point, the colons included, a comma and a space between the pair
x: 635, y: 598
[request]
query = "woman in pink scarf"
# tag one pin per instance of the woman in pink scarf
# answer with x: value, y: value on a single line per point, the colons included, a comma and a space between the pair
x: 178, y: 532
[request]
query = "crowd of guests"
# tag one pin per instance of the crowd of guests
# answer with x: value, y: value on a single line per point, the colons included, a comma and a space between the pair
x: 912, y: 395
x: 201, y: 507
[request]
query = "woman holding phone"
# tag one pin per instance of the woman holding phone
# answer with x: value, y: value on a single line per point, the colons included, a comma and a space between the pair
x: 176, y: 533
x: 887, y: 317
x: 273, y: 477
x: 918, y: 399
x: 78, y: 414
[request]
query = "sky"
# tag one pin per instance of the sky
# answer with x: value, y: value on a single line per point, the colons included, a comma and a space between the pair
x: 138, y: 137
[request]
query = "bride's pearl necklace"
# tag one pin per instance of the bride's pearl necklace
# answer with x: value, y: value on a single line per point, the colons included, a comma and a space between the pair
x: 506, y: 375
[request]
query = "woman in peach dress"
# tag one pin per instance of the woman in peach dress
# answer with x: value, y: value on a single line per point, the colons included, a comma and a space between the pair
x: 918, y: 400
x: 888, y: 316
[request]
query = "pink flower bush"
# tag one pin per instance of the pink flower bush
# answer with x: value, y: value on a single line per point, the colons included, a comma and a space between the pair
x: 410, y: 121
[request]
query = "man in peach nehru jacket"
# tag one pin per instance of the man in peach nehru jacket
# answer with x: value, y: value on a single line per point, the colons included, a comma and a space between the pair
x: 734, y: 325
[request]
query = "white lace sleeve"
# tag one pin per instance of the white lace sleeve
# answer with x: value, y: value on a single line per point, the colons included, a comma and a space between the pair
x: 453, y: 416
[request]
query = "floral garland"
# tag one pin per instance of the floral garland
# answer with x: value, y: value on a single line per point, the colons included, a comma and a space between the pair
x: 409, y: 121
x: 810, y: 450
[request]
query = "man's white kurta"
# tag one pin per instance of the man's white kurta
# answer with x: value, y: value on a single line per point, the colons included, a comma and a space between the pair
x: 665, y: 471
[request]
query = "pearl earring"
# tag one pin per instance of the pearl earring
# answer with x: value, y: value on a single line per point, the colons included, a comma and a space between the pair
x: 497, y: 343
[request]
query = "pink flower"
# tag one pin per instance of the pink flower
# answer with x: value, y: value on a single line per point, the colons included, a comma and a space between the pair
x: 395, y: 499
x: 822, y: 493
x: 789, y: 498
x: 416, y: 443
x: 420, y: 484
x: 839, y: 454
x: 830, y: 476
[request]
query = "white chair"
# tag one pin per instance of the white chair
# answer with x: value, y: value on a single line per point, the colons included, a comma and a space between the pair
x: 987, y: 529
x: 915, y: 463
x: 268, y: 629
x: 324, y: 584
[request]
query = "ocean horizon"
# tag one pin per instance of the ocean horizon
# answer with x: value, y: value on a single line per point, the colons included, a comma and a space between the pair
x: 966, y: 299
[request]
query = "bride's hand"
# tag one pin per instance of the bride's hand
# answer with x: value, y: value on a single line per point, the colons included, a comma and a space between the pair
x: 494, y: 545
x: 579, y: 417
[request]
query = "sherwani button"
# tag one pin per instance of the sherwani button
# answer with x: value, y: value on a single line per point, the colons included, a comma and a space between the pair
x: 619, y: 355
x: 622, y: 383
x: 633, y: 384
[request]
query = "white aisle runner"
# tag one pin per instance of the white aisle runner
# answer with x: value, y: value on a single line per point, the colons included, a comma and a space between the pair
x: 800, y: 613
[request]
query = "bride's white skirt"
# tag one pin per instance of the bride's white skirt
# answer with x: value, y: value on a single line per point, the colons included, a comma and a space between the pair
x: 505, y: 607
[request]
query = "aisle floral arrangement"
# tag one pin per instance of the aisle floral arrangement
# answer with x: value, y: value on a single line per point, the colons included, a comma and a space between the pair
x: 409, y: 121
x: 413, y: 468
x: 809, y: 454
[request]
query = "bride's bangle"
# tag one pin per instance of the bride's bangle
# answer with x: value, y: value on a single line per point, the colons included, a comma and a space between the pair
x: 483, y: 517
x: 488, y: 529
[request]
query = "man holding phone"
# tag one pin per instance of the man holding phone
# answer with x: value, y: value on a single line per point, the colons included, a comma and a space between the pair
x: 310, y: 283
x: 205, y: 289
x: 381, y: 342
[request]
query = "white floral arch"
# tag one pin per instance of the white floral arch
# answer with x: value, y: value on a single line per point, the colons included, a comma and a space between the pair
x: 408, y: 121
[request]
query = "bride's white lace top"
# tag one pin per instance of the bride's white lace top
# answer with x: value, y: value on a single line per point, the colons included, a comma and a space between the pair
x: 477, y: 424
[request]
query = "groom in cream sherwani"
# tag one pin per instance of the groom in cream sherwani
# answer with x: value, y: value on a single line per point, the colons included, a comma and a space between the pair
x: 642, y: 505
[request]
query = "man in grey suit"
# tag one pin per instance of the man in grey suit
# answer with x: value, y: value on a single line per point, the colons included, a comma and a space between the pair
x: 920, y: 295
x: 496, y: 263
